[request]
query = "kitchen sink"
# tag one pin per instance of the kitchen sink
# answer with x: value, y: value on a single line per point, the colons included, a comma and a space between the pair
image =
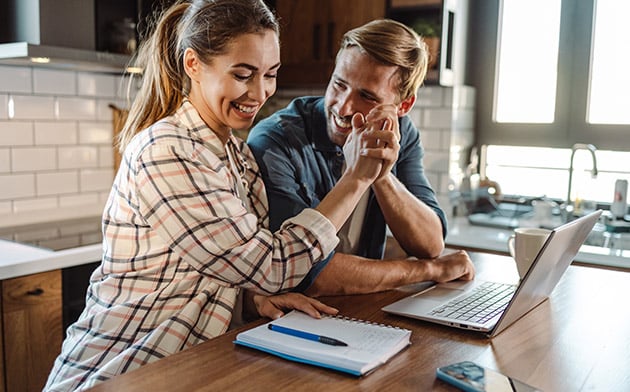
x: 503, y: 215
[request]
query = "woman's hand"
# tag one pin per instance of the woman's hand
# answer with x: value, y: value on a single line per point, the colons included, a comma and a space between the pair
x: 274, y: 306
x: 383, y: 133
x: 355, y: 152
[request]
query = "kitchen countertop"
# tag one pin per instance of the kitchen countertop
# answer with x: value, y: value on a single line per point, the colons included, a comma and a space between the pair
x: 461, y: 234
x: 19, y: 259
x: 37, y: 247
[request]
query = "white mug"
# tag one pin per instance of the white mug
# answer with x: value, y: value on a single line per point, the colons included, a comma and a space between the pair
x: 524, y: 245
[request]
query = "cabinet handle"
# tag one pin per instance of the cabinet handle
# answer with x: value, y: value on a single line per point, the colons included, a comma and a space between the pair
x: 316, y: 31
x: 38, y: 291
x: 330, y: 39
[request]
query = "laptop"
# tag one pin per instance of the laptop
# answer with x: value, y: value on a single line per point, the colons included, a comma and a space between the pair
x: 453, y: 303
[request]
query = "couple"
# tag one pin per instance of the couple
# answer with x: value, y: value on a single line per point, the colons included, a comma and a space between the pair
x: 195, y: 241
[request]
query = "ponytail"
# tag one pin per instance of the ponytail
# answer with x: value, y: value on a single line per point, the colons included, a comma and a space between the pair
x: 163, y: 79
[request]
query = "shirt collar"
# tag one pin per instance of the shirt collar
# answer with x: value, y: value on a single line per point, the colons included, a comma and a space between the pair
x: 190, y: 118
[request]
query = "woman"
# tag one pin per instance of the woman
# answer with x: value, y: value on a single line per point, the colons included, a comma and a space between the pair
x: 185, y: 226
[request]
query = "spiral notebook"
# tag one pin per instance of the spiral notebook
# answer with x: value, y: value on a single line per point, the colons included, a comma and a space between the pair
x: 369, y: 345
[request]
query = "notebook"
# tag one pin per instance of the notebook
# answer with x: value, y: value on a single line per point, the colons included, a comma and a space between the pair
x: 368, y: 345
x: 444, y: 303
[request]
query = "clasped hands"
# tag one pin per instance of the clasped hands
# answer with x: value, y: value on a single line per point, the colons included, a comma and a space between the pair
x: 371, y: 149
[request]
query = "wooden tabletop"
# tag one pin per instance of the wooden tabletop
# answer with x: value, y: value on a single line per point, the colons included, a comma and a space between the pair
x: 578, y: 340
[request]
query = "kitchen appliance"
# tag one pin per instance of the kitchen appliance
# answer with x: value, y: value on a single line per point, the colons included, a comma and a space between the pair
x: 69, y: 34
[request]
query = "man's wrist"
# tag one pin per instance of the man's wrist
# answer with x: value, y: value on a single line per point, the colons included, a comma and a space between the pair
x: 385, y: 181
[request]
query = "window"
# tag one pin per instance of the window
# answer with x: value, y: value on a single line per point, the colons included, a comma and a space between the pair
x: 527, y: 68
x: 551, y: 73
x: 557, y: 79
x: 609, y: 93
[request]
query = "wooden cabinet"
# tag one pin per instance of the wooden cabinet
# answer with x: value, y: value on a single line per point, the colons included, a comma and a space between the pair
x: 31, y: 330
x: 311, y: 31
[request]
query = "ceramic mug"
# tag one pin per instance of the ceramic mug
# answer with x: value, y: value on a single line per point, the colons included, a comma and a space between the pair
x: 524, y: 245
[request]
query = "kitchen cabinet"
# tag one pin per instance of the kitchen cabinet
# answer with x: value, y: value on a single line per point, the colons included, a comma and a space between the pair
x: 311, y: 31
x: 31, y: 330
x: 448, y: 20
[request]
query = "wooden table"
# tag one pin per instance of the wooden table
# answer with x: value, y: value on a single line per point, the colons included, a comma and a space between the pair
x: 575, y: 341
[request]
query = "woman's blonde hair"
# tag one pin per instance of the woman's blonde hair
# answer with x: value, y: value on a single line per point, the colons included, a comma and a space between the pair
x: 392, y: 43
x: 207, y: 27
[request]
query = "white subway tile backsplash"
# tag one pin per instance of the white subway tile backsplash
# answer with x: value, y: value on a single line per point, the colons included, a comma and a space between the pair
x: 464, y: 119
x: 98, y: 85
x: 55, y: 133
x: 434, y: 180
x: 78, y: 157
x: 96, y: 180
x: 429, y: 96
x: 5, y: 160
x: 55, y: 138
x: 16, y: 79
x: 15, y: 186
x: 464, y: 97
x: 16, y: 133
x: 463, y: 138
x: 92, y: 132
x: 33, y: 107
x: 106, y: 157
x: 33, y: 159
x: 40, y: 204
x: 76, y: 108
x: 103, y: 196
x: 430, y: 139
x: 437, y: 118
x: 5, y: 207
x: 437, y: 162
x: 4, y: 106
x: 78, y: 200
x: 57, y: 183
x: 51, y: 81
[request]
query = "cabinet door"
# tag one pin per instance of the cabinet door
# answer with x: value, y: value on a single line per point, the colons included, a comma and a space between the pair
x: 31, y: 310
x: 302, y: 32
x: 348, y: 14
x: 310, y: 36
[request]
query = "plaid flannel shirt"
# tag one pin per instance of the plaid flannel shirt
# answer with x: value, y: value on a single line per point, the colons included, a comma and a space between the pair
x: 178, y: 244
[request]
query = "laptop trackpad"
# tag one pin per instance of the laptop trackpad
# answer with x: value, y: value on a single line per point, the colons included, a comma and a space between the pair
x: 440, y: 294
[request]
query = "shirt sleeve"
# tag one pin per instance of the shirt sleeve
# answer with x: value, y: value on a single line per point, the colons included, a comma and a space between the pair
x: 190, y: 203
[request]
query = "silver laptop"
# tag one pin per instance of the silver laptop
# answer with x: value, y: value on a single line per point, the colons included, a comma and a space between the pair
x: 457, y: 303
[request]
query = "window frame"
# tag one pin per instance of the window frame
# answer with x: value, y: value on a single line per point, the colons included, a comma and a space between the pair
x: 570, y: 125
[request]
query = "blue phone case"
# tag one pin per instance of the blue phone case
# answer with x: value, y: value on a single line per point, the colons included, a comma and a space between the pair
x: 470, y: 377
x: 454, y: 374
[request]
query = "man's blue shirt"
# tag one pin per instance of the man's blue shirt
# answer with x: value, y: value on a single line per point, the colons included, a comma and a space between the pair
x: 300, y: 165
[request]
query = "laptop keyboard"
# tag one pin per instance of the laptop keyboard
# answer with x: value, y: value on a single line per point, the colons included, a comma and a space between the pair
x: 480, y: 305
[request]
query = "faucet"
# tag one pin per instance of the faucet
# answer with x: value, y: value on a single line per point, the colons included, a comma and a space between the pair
x: 578, y: 146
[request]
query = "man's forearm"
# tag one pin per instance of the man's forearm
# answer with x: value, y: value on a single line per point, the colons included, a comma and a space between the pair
x: 348, y: 274
x: 415, y: 226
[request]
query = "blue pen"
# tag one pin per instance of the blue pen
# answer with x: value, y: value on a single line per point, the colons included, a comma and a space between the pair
x: 306, y: 335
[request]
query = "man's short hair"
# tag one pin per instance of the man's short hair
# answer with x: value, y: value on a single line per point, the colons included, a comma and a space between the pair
x: 392, y: 43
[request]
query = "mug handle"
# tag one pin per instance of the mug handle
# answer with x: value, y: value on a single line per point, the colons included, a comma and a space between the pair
x: 510, y: 244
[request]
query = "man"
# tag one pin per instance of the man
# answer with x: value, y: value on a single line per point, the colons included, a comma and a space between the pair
x: 299, y: 149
